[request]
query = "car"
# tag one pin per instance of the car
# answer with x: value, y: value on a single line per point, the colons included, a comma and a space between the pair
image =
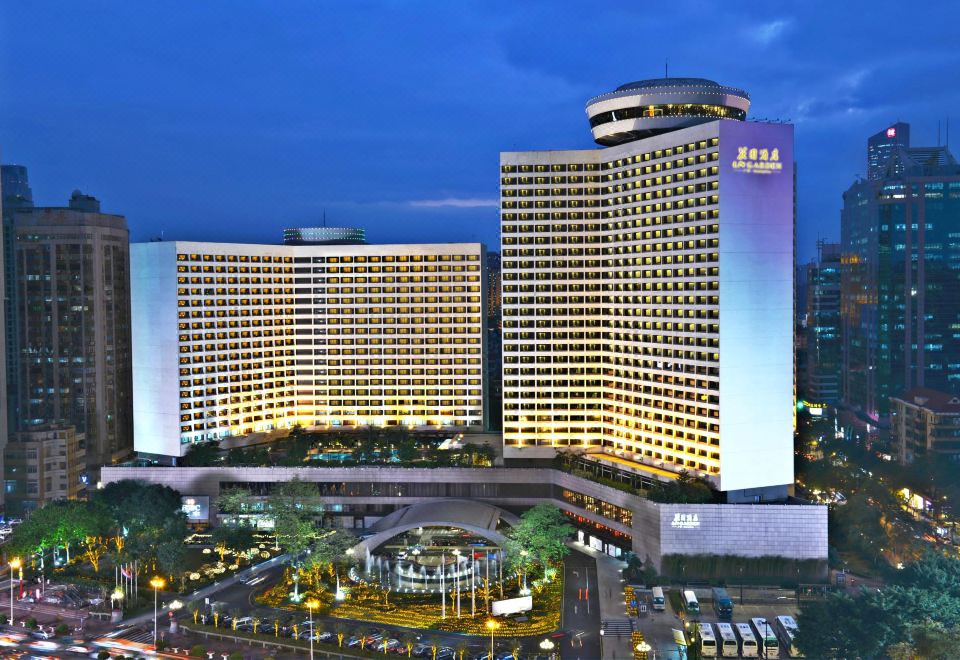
x: 421, y: 651
x: 306, y: 635
x: 353, y: 642
x: 393, y: 644
x: 244, y: 627
x: 326, y: 636
x: 40, y: 633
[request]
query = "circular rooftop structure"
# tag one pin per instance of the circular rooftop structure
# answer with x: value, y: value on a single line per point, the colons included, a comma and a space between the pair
x: 324, y: 236
x: 649, y: 107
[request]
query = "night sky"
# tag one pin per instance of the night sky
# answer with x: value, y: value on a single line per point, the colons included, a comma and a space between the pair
x: 227, y: 121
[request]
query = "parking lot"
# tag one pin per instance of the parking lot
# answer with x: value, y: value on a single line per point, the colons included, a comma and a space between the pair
x: 658, y: 627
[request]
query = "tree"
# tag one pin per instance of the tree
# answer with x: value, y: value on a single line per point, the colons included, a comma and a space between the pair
x: 237, y: 537
x: 202, y: 454
x: 542, y: 534
x: 409, y: 640
x: 170, y: 556
x: 340, y: 630
x: 407, y: 451
x: 872, y: 623
x: 331, y: 551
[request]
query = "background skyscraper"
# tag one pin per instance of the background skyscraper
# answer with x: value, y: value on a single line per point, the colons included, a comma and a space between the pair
x: 900, y: 286
x: 71, y: 302
x: 882, y: 145
x: 823, y: 345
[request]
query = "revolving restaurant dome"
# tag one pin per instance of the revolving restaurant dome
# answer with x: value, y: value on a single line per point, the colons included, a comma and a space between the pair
x: 649, y: 107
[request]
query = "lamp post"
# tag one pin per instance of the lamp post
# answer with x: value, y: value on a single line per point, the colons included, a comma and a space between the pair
x: 157, y: 584
x: 547, y: 647
x: 311, y: 604
x: 643, y: 647
x: 492, y: 625
x: 523, y: 566
x: 15, y: 564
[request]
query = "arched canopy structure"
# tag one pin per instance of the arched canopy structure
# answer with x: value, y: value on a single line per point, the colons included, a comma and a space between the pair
x: 472, y: 516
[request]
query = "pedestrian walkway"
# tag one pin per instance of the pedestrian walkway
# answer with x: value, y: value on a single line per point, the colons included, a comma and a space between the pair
x: 612, y: 608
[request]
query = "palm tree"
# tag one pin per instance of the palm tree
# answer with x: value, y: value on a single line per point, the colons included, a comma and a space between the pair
x: 234, y: 616
x: 256, y: 622
x: 515, y: 648
x: 363, y: 632
x: 434, y: 645
x: 461, y: 650
x: 194, y: 610
x: 409, y: 640
x: 341, y: 632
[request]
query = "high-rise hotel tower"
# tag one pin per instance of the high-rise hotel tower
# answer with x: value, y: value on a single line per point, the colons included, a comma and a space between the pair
x: 648, y: 290
x: 230, y: 339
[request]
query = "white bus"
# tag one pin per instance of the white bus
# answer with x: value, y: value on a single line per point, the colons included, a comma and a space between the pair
x: 659, y: 602
x: 690, y: 603
x: 708, y: 643
x: 767, y: 637
x: 748, y: 641
x: 728, y: 640
x: 786, y: 629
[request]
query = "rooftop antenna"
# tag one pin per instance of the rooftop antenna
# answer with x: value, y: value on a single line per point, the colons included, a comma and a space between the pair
x: 666, y: 68
x: 324, y: 217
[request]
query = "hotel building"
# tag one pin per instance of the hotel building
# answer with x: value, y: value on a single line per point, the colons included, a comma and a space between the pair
x: 231, y: 339
x: 648, y: 291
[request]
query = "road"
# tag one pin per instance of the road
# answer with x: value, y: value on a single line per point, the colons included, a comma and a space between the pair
x: 581, y: 608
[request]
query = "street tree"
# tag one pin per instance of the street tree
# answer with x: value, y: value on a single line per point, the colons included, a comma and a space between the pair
x: 542, y: 533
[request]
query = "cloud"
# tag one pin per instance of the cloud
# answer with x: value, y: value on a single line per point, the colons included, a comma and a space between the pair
x: 765, y: 33
x: 456, y: 202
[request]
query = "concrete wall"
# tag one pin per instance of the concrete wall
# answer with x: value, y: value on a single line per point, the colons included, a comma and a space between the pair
x: 746, y: 530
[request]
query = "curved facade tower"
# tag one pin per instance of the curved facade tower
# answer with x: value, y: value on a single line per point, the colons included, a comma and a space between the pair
x: 648, y: 288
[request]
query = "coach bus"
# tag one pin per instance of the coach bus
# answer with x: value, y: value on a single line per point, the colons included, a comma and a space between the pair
x: 708, y: 642
x: 748, y: 641
x: 690, y: 603
x: 786, y: 629
x: 659, y: 602
x: 728, y: 641
x: 767, y: 638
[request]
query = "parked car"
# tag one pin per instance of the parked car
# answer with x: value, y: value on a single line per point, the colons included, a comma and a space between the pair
x: 326, y: 636
x: 353, y: 642
x: 421, y: 651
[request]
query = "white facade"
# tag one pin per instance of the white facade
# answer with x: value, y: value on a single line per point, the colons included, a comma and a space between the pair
x: 232, y: 338
x: 647, y: 302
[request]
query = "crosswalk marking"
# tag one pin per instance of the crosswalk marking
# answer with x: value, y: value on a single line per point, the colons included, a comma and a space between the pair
x: 617, y: 627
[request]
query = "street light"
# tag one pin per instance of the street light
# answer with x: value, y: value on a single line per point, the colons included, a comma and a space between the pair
x: 492, y: 625
x: 523, y: 565
x: 15, y: 564
x: 547, y: 646
x: 311, y: 604
x: 157, y: 584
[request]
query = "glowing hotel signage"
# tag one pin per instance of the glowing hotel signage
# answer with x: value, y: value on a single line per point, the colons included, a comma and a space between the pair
x: 685, y: 521
x: 754, y: 160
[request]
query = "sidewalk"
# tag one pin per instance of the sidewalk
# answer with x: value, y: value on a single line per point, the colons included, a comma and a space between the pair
x: 610, y: 591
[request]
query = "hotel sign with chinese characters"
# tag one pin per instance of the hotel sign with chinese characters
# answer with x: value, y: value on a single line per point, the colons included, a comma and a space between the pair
x: 755, y: 160
x: 685, y: 521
